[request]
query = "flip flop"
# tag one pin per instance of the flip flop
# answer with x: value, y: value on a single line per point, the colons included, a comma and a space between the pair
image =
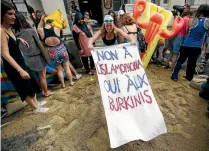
x: 49, y: 93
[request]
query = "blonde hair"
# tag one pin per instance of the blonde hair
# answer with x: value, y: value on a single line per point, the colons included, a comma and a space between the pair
x: 103, y: 30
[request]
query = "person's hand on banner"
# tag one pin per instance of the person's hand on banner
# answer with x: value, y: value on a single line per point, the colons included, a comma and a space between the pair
x: 133, y: 42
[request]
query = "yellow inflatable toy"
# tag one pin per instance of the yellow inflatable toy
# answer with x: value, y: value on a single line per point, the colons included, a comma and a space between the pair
x: 154, y: 21
x: 58, y: 20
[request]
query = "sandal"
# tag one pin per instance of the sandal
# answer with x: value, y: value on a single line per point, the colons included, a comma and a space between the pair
x: 49, y: 93
x: 90, y: 73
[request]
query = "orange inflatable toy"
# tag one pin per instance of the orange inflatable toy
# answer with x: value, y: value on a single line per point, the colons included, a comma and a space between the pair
x: 154, y: 21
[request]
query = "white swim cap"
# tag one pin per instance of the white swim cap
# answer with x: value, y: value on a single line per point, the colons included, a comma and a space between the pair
x: 108, y: 19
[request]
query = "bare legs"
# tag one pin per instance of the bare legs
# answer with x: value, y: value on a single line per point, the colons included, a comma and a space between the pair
x: 67, y: 71
x: 60, y: 75
x: 31, y: 102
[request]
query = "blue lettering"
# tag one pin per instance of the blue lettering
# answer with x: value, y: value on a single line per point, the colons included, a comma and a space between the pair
x: 126, y: 52
x: 112, y: 87
x: 107, y: 55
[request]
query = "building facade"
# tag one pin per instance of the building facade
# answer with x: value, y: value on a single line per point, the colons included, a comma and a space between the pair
x: 98, y: 8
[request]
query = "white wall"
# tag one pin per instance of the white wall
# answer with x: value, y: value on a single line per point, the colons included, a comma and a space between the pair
x: 36, y: 4
x: 51, y: 5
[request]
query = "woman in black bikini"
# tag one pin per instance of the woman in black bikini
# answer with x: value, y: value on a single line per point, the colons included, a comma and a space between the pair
x: 109, y: 32
x: 13, y: 61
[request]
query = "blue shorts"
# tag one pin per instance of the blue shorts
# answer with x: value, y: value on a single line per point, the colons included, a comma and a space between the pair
x: 175, y: 44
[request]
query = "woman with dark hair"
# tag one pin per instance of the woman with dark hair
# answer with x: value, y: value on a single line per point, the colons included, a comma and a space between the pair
x: 191, y: 47
x: 13, y: 61
x: 57, y: 51
x: 81, y: 34
x: 35, y: 56
x: 114, y: 16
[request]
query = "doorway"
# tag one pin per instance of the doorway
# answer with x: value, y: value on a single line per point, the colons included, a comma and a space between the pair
x: 94, y: 7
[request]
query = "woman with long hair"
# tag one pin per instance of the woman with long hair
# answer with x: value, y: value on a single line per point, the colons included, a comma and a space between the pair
x: 13, y: 62
x: 81, y: 34
x: 130, y: 28
x: 114, y: 16
x: 35, y: 58
x: 108, y: 33
x: 57, y: 51
x: 191, y: 47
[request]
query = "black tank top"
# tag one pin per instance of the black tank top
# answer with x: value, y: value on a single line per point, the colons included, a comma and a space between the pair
x: 49, y: 33
x: 109, y: 42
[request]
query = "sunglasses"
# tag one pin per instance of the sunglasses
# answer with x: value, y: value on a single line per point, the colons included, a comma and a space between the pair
x: 87, y: 14
x: 108, y: 21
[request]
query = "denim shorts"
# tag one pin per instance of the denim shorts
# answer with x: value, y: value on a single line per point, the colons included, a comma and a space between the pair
x: 175, y: 44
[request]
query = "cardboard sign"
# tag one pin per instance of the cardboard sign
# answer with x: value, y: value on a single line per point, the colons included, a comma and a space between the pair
x: 131, y: 110
x: 129, y: 8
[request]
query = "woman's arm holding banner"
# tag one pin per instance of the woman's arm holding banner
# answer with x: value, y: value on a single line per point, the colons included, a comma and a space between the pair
x: 94, y: 38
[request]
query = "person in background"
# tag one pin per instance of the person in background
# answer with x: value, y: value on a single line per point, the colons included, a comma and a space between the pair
x: 131, y: 29
x: 81, y: 34
x: 35, y: 58
x: 174, y: 44
x: 186, y: 9
x: 57, y: 51
x: 158, y: 57
x: 72, y: 22
x: 108, y: 33
x: 205, y: 48
x: 13, y: 62
x: 191, y: 47
x: 74, y: 8
x: 113, y: 15
x: 121, y: 15
x: 87, y: 19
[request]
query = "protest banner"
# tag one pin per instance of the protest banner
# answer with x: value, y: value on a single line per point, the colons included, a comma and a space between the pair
x: 131, y: 110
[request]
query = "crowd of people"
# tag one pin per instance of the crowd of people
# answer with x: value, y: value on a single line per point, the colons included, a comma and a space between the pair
x: 23, y: 50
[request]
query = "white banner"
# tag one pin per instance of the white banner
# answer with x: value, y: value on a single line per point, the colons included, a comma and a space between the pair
x: 131, y: 110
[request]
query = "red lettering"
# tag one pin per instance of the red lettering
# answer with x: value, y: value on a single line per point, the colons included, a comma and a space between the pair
x: 127, y: 102
x: 142, y: 97
x: 148, y: 96
x: 137, y: 101
x: 121, y: 103
x: 111, y: 103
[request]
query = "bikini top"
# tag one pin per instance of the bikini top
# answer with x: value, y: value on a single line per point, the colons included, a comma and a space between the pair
x: 131, y: 32
x: 49, y: 33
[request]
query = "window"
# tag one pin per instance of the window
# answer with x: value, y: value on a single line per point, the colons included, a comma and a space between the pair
x: 165, y: 1
x: 116, y: 5
x: 153, y: 1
